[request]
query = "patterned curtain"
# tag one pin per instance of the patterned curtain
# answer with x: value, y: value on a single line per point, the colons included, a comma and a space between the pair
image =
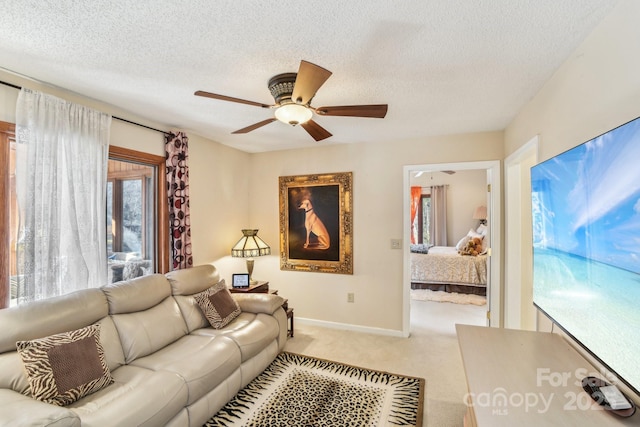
x: 416, y: 194
x: 177, y: 153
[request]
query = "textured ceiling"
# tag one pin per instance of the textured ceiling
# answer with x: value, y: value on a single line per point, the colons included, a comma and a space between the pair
x: 443, y: 66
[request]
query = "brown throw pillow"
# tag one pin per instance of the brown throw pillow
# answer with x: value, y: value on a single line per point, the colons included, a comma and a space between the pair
x: 218, y: 305
x: 65, y: 367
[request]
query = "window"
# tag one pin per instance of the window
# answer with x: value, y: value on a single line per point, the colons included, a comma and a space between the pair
x: 424, y: 213
x: 421, y: 226
x: 137, y: 219
x: 141, y: 227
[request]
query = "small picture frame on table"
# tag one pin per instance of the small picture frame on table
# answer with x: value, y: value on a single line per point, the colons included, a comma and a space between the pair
x: 240, y: 280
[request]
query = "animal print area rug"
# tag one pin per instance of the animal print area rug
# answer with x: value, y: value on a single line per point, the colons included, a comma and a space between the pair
x: 298, y: 390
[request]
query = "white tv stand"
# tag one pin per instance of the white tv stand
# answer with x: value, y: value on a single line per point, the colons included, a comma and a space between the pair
x: 523, y: 378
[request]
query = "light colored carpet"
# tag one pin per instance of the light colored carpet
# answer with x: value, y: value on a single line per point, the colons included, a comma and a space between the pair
x: 431, y: 352
x: 441, y: 296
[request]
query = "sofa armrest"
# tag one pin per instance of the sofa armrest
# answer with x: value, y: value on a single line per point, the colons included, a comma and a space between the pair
x: 19, y: 410
x: 259, y: 303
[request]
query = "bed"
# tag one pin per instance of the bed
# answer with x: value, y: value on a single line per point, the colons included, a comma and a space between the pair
x: 442, y: 268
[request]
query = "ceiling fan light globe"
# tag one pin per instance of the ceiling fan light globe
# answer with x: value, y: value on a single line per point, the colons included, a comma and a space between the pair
x: 293, y: 114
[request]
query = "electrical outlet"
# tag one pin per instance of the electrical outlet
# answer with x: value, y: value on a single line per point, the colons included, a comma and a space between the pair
x: 396, y: 243
x: 350, y: 297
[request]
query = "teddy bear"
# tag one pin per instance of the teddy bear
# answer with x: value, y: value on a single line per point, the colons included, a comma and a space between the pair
x: 473, y: 247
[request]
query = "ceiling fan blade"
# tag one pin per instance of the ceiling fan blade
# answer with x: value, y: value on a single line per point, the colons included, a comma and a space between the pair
x: 255, y: 126
x: 310, y: 78
x: 377, y: 111
x: 316, y: 131
x: 230, y: 98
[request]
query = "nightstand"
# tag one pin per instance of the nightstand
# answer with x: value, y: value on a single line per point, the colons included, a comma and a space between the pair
x: 259, y: 288
x: 289, y: 312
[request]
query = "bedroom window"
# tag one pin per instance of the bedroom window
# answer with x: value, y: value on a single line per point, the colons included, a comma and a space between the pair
x: 424, y: 231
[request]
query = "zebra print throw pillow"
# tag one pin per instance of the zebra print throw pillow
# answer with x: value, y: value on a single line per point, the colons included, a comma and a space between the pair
x: 217, y: 305
x: 65, y: 367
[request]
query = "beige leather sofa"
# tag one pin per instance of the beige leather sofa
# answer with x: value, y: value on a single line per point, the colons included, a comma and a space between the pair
x: 169, y: 366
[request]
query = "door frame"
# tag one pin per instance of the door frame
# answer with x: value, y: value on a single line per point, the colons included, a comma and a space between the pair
x: 518, y: 302
x: 494, y: 211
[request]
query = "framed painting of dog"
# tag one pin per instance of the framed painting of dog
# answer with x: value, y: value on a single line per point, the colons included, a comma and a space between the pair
x: 316, y: 215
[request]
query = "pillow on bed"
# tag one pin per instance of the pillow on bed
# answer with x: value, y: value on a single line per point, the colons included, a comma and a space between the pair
x: 462, y: 243
x: 470, y: 235
x: 482, y: 229
x: 419, y: 248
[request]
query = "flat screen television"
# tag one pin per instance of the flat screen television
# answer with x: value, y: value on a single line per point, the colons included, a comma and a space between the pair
x: 586, y: 247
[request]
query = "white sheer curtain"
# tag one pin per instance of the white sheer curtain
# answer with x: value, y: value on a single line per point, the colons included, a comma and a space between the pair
x: 61, y: 176
x: 439, y: 215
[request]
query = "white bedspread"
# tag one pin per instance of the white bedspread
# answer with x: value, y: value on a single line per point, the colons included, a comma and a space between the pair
x: 444, y: 265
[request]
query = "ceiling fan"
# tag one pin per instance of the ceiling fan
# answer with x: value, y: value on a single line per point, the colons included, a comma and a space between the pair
x: 293, y: 93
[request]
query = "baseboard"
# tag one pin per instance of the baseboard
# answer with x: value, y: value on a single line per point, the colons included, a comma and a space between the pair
x: 349, y: 327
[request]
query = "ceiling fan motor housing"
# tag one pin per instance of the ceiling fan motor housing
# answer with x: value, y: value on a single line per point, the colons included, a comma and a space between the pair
x: 281, y: 87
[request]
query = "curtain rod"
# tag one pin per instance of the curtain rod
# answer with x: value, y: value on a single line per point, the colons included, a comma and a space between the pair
x: 115, y: 117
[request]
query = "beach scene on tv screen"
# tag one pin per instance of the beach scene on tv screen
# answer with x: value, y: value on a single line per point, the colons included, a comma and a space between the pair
x: 586, y: 245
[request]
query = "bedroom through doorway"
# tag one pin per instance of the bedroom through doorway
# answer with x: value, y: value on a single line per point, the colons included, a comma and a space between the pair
x: 451, y: 238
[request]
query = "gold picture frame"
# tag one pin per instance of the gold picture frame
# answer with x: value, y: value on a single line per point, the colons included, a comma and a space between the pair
x: 316, y: 223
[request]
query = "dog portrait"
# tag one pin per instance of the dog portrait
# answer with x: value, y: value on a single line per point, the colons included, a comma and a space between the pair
x: 315, y: 226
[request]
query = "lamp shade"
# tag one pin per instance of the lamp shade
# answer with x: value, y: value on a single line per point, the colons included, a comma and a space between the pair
x: 250, y: 245
x: 480, y: 213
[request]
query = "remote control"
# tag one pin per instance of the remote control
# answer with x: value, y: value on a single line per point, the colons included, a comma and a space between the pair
x: 614, y: 397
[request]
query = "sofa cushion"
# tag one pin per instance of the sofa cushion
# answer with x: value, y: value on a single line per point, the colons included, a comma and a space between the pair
x: 191, y: 312
x: 137, y: 397
x: 252, y: 303
x: 202, y: 362
x: 251, y: 333
x: 143, y: 332
x: 189, y: 281
x: 63, y: 368
x: 19, y: 410
x: 12, y: 374
x: 50, y: 316
x: 110, y: 341
x: 259, y: 303
x: 218, y: 305
x: 137, y: 294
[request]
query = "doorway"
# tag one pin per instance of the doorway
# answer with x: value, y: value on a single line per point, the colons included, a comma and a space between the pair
x: 493, y: 203
x: 519, y: 312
